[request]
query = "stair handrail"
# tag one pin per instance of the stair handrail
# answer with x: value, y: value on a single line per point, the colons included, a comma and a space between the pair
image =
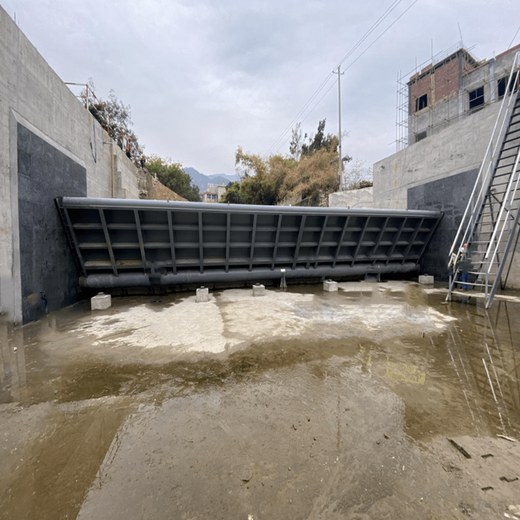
x: 475, y: 201
x: 501, y: 222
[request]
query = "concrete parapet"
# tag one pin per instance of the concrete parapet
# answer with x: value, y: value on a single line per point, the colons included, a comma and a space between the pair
x: 202, y: 294
x: 426, y: 279
x: 330, y: 286
x: 258, y: 290
x: 100, y: 302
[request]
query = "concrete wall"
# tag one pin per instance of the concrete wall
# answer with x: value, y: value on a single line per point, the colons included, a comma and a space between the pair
x: 456, y: 149
x: 34, y: 99
x: 449, y: 195
x: 438, y: 172
x: 362, y: 198
x: 45, y: 260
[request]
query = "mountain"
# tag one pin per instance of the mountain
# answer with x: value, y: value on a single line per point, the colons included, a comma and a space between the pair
x: 202, y: 181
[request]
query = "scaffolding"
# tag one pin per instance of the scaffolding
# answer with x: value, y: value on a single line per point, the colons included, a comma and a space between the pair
x: 402, y: 112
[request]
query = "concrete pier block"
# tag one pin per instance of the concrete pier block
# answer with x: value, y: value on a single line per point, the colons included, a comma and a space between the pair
x: 100, y: 302
x: 426, y: 279
x: 202, y: 294
x: 258, y: 290
x: 330, y: 286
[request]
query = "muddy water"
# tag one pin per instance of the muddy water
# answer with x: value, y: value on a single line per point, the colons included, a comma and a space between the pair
x: 301, y: 404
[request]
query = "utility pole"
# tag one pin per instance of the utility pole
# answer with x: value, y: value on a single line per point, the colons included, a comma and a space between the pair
x: 340, y: 165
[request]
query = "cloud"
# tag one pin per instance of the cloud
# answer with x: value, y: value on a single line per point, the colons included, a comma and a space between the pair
x: 203, y: 77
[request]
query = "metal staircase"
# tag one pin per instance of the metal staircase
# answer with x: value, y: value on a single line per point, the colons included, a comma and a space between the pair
x: 490, y: 225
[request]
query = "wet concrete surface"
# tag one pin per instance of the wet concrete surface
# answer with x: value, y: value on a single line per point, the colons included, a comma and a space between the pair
x: 299, y: 404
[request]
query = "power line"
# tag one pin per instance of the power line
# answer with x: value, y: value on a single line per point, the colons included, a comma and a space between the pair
x: 300, y: 113
x: 348, y: 67
x: 395, y: 21
x: 370, y: 31
x: 513, y: 38
x: 282, y: 139
x: 326, y: 80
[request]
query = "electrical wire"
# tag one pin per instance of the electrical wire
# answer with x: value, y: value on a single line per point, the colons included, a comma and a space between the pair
x: 282, y: 139
x: 327, y: 79
x: 298, y: 115
x: 516, y: 33
x: 328, y: 90
x: 395, y: 21
x: 370, y: 31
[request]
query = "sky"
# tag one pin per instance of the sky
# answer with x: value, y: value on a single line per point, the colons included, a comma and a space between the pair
x: 204, y: 77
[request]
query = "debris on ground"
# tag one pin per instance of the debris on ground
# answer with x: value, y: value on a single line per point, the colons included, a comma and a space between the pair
x: 460, y: 448
x: 510, y: 439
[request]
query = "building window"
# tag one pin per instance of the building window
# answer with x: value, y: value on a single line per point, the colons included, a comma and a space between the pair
x: 515, y: 84
x: 420, y: 136
x: 421, y: 102
x: 476, y: 97
x: 501, y: 86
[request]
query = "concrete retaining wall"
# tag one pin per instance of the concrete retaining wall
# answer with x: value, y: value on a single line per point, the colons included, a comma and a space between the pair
x: 456, y: 149
x: 64, y: 151
x: 449, y: 195
x: 362, y: 198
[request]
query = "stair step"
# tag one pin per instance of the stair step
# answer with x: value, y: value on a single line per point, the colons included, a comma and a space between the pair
x: 510, y: 148
x: 508, y: 174
x: 473, y: 284
x: 481, y: 252
x: 511, y: 132
x: 509, y: 138
x: 508, y: 152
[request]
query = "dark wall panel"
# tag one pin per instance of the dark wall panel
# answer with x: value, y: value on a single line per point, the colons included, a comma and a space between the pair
x: 449, y: 195
x: 45, y: 260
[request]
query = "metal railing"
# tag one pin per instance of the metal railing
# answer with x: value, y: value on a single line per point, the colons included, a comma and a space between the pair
x: 477, y: 198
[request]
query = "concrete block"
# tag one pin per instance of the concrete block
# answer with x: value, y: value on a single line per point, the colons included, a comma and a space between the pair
x: 330, y: 286
x: 258, y: 290
x: 202, y: 294
x: 426, y: 279
x: 100, y: 302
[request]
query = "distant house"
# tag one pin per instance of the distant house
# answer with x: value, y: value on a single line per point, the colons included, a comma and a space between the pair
x: 213, y: 193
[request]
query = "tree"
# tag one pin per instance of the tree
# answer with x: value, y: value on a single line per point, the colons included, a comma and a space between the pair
x: 232, y: 195
x: 295, y: 147
x: 171, y: 174
x: 261, y: 179
x: 320, y: 141
x: 315, y: 176
x: 115, y: 117
x: 306, y: 176
x: 357, y: 175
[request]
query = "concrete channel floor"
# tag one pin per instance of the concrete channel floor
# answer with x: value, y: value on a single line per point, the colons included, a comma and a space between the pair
x: 358, y: 404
